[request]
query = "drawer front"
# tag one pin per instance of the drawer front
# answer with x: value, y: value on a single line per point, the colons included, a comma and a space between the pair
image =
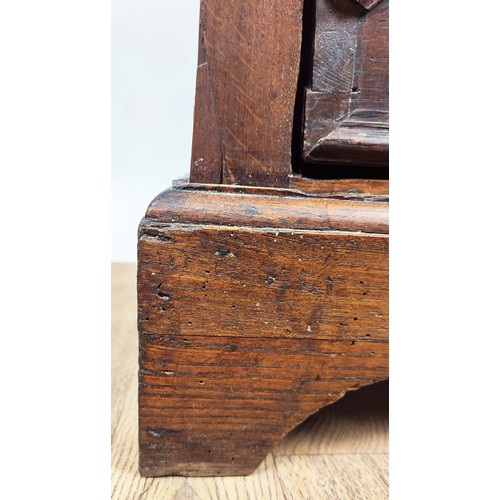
x: 346, y: 109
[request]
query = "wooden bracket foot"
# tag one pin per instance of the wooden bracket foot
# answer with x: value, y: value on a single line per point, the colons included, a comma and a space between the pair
x: 255, y: 311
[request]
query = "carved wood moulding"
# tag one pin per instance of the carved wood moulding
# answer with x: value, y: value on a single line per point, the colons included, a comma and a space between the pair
x: 347, y: 104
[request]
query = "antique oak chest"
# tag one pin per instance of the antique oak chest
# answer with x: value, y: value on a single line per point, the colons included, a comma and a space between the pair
x: 263, y: 280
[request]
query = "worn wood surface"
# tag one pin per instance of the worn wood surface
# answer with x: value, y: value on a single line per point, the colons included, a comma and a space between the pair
x: 249, y: 114
x: 257, y: 308
x: 280, y: 209
x: 343, y: 447
x: 347, y: 104
x: 343, y: 189
x: 249, y: 57
x: 246, y: 329
x: 348, y: 189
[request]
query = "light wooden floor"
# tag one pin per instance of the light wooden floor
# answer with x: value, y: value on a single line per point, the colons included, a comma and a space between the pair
x: 339, y: 453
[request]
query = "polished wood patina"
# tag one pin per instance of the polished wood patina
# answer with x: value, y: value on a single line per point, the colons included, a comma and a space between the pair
x: 263, y: 279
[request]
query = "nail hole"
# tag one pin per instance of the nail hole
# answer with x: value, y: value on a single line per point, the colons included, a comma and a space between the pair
x: 163, y: 296
x: 224, y: 252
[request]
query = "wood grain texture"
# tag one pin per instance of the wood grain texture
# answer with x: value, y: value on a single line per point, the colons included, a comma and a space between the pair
x: 245, y: 331
x: 343, y: 189
x: 369, y: 480
x: 347, y: 105
x: 355, y: 427
x: 207, y: 148
x: 248, y: 69
x: 347, y: 189
x: 260, y: 210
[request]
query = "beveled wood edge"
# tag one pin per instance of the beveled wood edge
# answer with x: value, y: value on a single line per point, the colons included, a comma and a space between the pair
x: 368, y: 4
x: 375, y: 190
x: 340, y: 146
x: 342, y: 189
x: 252, y: 208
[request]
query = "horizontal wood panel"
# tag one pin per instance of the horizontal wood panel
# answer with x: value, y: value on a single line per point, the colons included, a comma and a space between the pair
x: 233, y: 280
x: 184, y: 206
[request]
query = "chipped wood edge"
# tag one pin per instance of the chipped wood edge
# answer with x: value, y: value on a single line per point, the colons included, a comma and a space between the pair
x: 259, y: 210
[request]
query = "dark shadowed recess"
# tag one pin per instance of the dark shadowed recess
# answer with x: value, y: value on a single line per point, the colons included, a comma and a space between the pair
x: 358, y: 406
x: 309, y: 169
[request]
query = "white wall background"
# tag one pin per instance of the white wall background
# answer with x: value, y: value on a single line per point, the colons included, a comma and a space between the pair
x: 154, y: 56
